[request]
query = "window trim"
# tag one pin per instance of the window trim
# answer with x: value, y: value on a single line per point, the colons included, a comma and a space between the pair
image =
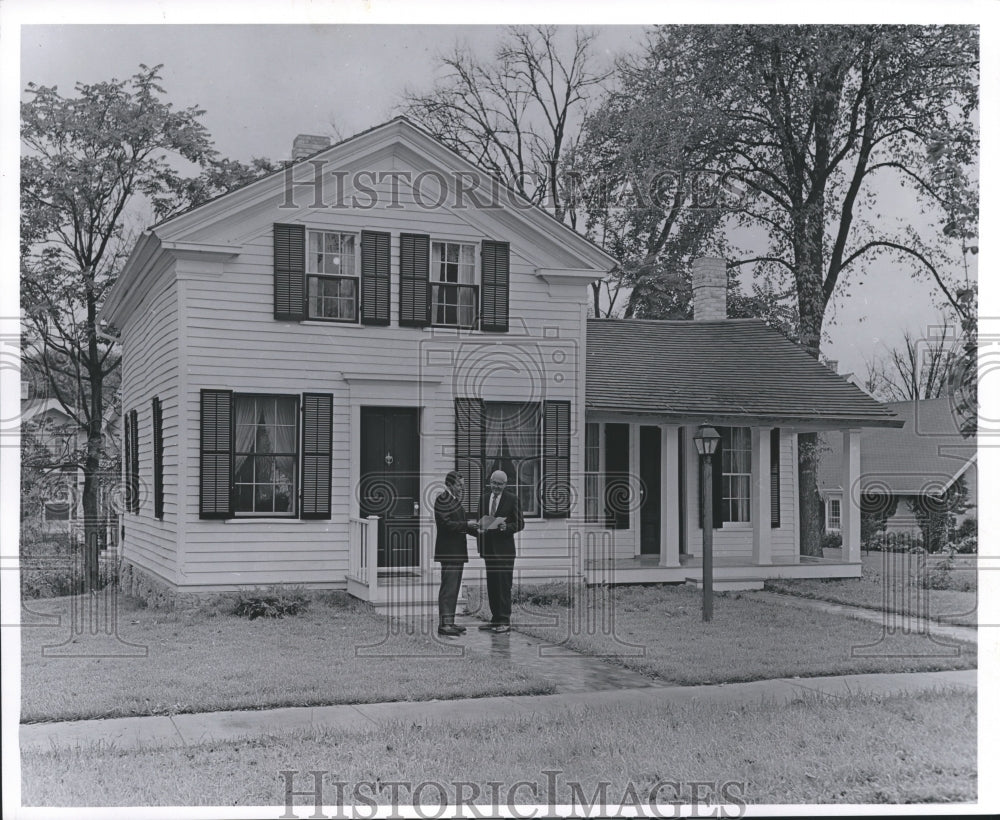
x: 309, y: 275
x: 728, y: 500
x: 829, y: 514
x: 475, y: 285
x: 488, y: 458
x: 295, y: 513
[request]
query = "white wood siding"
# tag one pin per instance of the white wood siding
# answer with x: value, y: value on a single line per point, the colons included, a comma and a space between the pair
x: 234, y: 343
x: 150, y: 368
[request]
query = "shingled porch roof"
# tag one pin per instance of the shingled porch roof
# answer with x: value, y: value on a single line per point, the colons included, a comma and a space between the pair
x: 719, y: 371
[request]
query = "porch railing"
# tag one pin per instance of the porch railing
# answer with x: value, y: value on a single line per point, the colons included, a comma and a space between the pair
x: 363, y: 565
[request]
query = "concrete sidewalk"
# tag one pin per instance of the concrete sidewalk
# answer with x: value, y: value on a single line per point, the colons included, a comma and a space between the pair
x: 892, y: 621
x: 193, y: 729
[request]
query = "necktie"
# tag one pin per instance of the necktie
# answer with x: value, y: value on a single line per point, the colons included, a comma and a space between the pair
x: 493, y: 504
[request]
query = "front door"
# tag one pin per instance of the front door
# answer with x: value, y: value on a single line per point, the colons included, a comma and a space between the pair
x: 390, y: 482
x: 649, y: 476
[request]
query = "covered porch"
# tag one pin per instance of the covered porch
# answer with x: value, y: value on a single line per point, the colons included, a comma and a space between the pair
x: 643, y: 501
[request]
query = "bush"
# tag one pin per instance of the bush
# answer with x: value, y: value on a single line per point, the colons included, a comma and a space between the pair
x: 552, y: 594
x: 274, y: 602
x: 54, y: 580
x: 832, y: 541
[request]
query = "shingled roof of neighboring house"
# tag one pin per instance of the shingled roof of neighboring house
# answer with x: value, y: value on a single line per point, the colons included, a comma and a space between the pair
x: 926, y: 454
x: 718, y: 371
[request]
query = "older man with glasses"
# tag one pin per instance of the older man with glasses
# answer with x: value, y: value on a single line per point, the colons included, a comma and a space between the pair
x: 496, y: 545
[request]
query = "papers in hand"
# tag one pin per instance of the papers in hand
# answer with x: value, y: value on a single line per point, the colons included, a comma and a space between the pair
x: 490, y: 522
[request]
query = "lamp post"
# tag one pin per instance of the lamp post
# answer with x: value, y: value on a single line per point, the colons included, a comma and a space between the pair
x: 706, y: 439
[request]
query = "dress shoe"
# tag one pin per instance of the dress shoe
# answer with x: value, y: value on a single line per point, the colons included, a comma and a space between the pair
x: 449, y: 630
x: 486, y: 627
x: 459, y: 627
x: 500, y: 629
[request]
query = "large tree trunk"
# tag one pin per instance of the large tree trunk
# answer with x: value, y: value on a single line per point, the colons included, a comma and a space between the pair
x: 810, y: 502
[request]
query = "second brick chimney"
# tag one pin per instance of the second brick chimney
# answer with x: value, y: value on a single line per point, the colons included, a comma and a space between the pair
x: 708, y: 285
x: 305, y: 145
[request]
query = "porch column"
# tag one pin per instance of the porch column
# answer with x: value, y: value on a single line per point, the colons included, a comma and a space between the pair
x: 850, y: 504
x: 760, y: 493
x: 670, y: 518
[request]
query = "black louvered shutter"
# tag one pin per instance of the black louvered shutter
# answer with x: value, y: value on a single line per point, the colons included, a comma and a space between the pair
x: 717, y: 516
x: 127, y: 462
x: 496, y: 287
x: 157, y: 458
x: 555, y: 460
x: 215, y: 493
x: 470, y: 424
x: 775, y: 478
x: 414, y: 280
x: 317, y: 454
x: 134, y: 458
x: 289, y: 272
x: 375, y: 256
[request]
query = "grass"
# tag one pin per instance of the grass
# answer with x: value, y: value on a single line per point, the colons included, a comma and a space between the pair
x: 206, y: 661
x: 890, y: 577
x: 917, y: 748
x: 658, y: 630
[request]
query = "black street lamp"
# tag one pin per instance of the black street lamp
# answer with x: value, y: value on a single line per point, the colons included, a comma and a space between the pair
x: 706, y: 439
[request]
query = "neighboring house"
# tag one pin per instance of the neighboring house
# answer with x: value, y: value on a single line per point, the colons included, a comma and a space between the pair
x: 54, y: 430
x: 305, y: 358
x: 898, y: 466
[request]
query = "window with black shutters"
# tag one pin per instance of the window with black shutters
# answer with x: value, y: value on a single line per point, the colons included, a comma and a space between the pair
x: 133, y: 457
x: 375, y: 261
x: 266, y: 455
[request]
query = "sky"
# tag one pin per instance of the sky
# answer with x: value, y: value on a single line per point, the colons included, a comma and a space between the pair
x: 260, y: 85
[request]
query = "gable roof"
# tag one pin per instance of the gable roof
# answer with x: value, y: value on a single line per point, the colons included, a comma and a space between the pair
x: 190, y: 231
x: 717, y: 371
x: 928, y: 452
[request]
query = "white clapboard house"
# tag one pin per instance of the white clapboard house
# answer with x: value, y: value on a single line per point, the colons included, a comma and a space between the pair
x: 305, y: 358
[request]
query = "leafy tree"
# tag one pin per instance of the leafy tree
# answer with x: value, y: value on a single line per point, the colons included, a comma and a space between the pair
x: 816, y: 123
x: 937, y: 514
x: 89, y: 160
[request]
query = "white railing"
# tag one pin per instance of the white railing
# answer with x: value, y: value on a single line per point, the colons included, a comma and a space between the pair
x: 363, y: 550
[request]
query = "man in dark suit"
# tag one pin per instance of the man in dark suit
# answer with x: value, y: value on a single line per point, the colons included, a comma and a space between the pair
x: 497, y: 548
x: 450, y: 550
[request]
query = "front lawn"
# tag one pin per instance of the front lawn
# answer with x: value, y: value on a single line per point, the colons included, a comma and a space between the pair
x: 658, y: 630
x: 337, y: 651
x: 861, y: 749
x: 896, y: 582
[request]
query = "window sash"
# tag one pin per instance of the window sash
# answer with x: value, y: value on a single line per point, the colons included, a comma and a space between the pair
x: 833, y: 513
x: 736, y: 455
x: 453, y: 262
x: 513, y: 438
x: 333, y: 306
x: 265, y: 455
x: 332, y: 253
x: 454, y: 305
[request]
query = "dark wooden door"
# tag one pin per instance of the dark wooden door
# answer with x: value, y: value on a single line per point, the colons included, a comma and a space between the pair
x: 390, y: 481
x: 649, y: 477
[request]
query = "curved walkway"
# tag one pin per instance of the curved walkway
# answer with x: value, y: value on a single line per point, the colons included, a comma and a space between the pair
x: 193, y: 729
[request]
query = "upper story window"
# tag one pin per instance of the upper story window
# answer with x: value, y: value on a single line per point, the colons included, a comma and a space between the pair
x: 454, y: 292
x: 332, y: 280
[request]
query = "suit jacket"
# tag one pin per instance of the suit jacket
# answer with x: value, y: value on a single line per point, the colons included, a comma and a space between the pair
x: 496, y: 544
x: 452, y: 529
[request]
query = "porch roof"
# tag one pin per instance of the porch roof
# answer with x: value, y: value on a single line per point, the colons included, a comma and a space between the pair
x: 719, y: 370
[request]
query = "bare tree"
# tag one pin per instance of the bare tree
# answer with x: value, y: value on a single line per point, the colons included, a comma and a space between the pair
x: 922, y: 368
x: 517, y: 115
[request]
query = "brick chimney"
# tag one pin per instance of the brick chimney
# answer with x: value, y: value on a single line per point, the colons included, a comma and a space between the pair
x: 305, y: 145
x: 833, y: 364
x: 708, y: 284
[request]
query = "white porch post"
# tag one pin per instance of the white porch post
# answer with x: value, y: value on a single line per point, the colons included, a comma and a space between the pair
x: 760, y: 493
x: 670, y: 534
x: 850, y: 504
